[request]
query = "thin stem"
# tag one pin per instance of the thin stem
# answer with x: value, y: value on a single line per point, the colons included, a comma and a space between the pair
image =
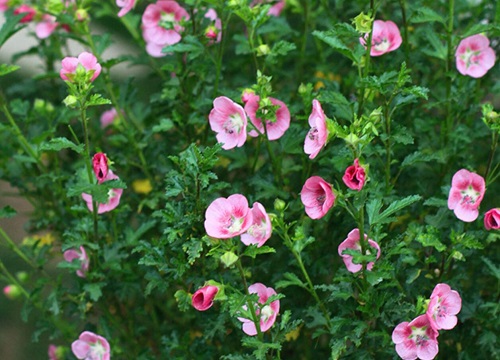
x: 12, y: 245
x: 251, y: 307
x: 13, y: 280
x: 494, y: 143
x: 449, y: 63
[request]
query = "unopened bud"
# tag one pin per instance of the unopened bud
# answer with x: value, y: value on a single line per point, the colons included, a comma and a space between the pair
x: 279, y: 205
x: 70, y: 101
x: 263, y: 50
x: 229, y: 258
x: 12, y: 291
x: 363, y: 23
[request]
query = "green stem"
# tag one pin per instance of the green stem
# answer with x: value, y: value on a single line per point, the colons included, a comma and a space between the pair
x: 494, y: 143
x: 445, y: 131
x: 12, y: 245
x: 402, y: 4
x: 13, y: 280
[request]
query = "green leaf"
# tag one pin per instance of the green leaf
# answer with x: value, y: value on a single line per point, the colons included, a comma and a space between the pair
x: 342, y: 106
x: 252, y: 250
x: 431, y: 238
x: 189, y: 44
x: 290, y: 280
x: 343, y: 38
x: 94, y: 290
x: 164, y: 125
x: 478, y: 28
x: 7, y: 69
x: 7, y: 212
x: 425, y: 14
x: 183, y: 299
x: 495, y: 271
x: 9, y: 27
x: 394, y: 207
x: 96, y: 100
x: 57, y: 144
x: 193, y: 248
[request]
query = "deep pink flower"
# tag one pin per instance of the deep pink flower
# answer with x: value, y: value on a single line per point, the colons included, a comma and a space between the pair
x: 114, y: 196
x: 275, y: 129
x: 46, y: 27
x: 203, y: 298
x: 260, y: 230
x: 25, y: 9
x: 352, y: 242
x: 474, y: 56
x: 317, y: 196
x: 100, y: 165
x: 70, y: 255
x: 90, y: 346
x: 108, y: 117
x: 416, y: 339
x: 229, y: 121
x: 385, y: 38
x: 492, y: 219
x: 85, y: 59
x: 227, y: 218
x: 161, y: 25
x: 266, y: 314
x: 125, y: 5
x: 354, y: 176
x: 275, y: 10
x: 466, y: 193
x: 445, y: 304
x: 213, y: 31
x: 318, y: 135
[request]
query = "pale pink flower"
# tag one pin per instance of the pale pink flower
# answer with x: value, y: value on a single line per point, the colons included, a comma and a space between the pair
x: 46, y: 27
x: 385, y: 38
x: 275, y: 10
x: 125, y: 5
x: 161, y: 25
x: 53, y: 352
x: 260, y: 230
x: 4, y: 5
x: 227, y: 218
x: 100, y: 165
x: 203, y: 298
x: 25, y: 9
x: 90, y: 346
x: 229, y: 121
x: 416, y: 339
x: 275, y: 129
x: 492, y: 219
x: 213, y: 31
x: 108, y: 117
x: 317, y: 196
x: 354, y: 176
x: 474, y: 56
x: 85, y: 59
x: 352, y: 242
x: 466, y: 193
x: 445, y: 304
x: 318, y: 135
x: 81, y: 256
x: 114, y: 196
x: 266, y: 314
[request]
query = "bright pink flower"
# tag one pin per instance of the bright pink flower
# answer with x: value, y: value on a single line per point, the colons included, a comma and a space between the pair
x: 275, y: 129
x: 203, y: 298
x: 492, y: 219
x: 275, y: 10
x: 445, y: 304
x: 85, y: 59
x: 125, y: 5
x: 46, y: 27
x: 416, y: 339
x: 466, y: 193
x: 385, y: 38
x: 214, y: 31
x: 474, y: 56
x: 352, y: 242
x: 229, y: 121
x: 90, y: 346
x: 260, y: 230
x: 4, y: 5
x: 114, y: 196
x: 354, y: 176
x: 108, y: 117
x: 70, y: 255
x: 227, y: 218
x: 100, y: 165
x: 266, y: 314
x: 317, y: 196
x: 318, y: 135
x: 25, y: 9
x: 161, y: 25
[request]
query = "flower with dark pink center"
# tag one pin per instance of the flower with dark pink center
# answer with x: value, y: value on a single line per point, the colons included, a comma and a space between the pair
x: 354, y: 176
x: 27, y: 10
x: 474, y: 56
x: 416, y: 339
x: 227, y: 218
x: 385, y: 38
x: 353, y: 242
x: 274, y: 129
x: 266, y: 314
x: 100, y: 165
x: 229, y: 121
x: 466, y: 193
x: 260, y: 230
x: 317, y: 196
x: 445, y: 304
x: 318, y: 134
x: 492, y: 219
x: 114, y: 196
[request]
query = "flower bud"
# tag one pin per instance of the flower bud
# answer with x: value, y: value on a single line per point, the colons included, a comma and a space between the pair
x: 100, y: 165
x: 363, y: 23
x: 12, y: 292
x: 81, y: 15
x: 70, y: 101
x: 229, y: 258
x: 263, y: 50
x: 279, y: 205
x: 247, y: 94
x: 22, y: 276
x: 352, y: 139
x: 203, y: 298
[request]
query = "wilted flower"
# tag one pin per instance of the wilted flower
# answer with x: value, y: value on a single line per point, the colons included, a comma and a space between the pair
x: 100, y: 165
x: 90, y: 346
x: 72, y: 254
x: 229, y: 121
x: 318, y: 135
x: 275, y: 129
x: 492, y: 219
x: 260, y: 230
x: 416, y: 339
x: 203, y: 298
x: 385, y: 38
x: 125, y: 5
x: 352, y: 242
x: 266, y: 314
x: 114, y: 196
x: 354, y: 176
x: 445, y: 304
x: 474, y: 56
x: 317, y: 196
x: 87, y: 60
x: 466, y: 193
x: 226, y: 218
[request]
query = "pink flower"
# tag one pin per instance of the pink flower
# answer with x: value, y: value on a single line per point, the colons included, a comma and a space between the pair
x: 466, y: 193
x: 227, y: 218
x: 4, y: 5
x: 125, y: 5
x: 108, y: 117
x: 385, y: 38
x: 85, y: 59
x: 275, y: 10
x: 229, y: 121
x: 161, y: 25
x: 203, y: 298
x: 100, y: 165
x: 25, y: 9
x: 474, y: 56
x: 354, y: 176
x: 46, y: 27
x: 318, y: 135
x: 266, y: 314
x: 54, y: 352
x: 317, y: 196
x: 416, y: 339
x: 114, y: 196
x: 70, y: 255
x: 444, y: 305
x: 352, y: 242
x: 260, y: 230
x: 492, y: 219
x: 213, y: 31
x: 275, y: 129
x: 90, y: 346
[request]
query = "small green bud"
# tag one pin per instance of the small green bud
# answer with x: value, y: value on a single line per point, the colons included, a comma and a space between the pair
x: 457, y: 255
x: 70, y: 101
x: 279, y: 205
x: 352, y: 139
x: 363, y: 23
x: 39, y: 105
x: 263, y: 50
x: 55, y: 6
x: 376, y: 115
x: 229, y: 258
x: 22, y: 276
x: 12, y: 292
x: 81, y: 15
